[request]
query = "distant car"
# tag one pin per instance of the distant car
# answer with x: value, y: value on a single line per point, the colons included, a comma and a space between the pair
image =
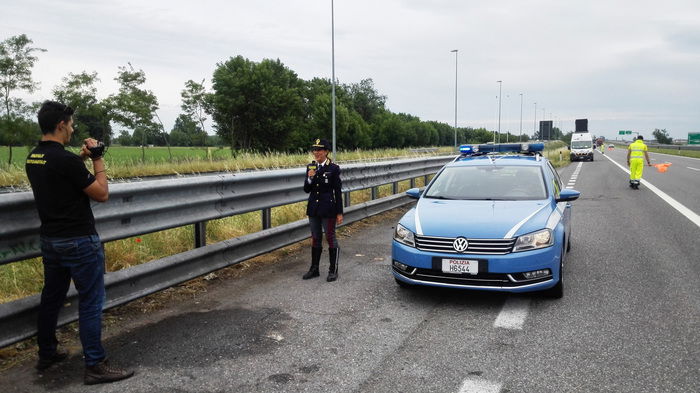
x: 611, y: 146
x: 497, y: 218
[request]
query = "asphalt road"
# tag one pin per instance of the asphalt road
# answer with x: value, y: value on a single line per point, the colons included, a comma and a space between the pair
x: 629, y: 320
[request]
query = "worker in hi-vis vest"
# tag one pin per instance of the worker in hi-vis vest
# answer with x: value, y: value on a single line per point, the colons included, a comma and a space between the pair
x: 636, y: 153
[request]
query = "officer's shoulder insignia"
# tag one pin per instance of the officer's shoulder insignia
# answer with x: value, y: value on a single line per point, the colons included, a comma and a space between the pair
x: 318, y: 141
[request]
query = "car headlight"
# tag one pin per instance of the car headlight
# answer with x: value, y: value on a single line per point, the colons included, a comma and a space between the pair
x: 403, y: 235
x: 534, y: 240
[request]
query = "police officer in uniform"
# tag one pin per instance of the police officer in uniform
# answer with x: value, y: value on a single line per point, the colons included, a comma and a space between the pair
x: 324, y: 208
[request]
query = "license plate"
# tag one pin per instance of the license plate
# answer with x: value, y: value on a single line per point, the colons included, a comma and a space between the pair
x: 459, y: 266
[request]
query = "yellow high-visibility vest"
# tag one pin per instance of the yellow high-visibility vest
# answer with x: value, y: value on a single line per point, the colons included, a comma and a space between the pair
x: 637, y: 149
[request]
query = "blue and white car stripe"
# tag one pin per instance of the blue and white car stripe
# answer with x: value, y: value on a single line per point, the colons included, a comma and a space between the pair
x: 517, y: 226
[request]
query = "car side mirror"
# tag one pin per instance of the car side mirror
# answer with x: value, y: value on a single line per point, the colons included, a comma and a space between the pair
x: 568, y: 195
x: 414, y: 193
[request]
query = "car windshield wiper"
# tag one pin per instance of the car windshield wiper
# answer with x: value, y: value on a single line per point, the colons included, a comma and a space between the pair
x: 439, y: 197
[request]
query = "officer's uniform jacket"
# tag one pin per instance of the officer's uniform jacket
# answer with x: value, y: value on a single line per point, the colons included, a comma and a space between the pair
x: 325, y: 196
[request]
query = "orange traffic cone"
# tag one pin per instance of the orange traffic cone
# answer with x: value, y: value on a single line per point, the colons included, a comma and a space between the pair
x: 663, y: 167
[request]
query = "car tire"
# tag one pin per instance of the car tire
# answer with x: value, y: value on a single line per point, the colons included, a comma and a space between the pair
x: 591, y: 158
x: 557, y: 291
x: 403, y: 284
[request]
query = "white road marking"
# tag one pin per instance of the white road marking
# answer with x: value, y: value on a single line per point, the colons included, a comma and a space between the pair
x: 695, y: 169
x: 479, y: 386
x: 574, y: 176
x: 513, y: 314
x: 691, y: 215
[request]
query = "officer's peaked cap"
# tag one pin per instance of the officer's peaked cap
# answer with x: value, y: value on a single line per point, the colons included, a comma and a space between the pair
x: 321, y: 144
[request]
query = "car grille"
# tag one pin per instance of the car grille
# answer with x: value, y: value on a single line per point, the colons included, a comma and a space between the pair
x: 476, y: 246
x: 496, y: 280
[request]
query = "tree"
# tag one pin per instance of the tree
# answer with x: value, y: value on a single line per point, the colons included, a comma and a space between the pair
x: 135, y: 107
x: 194, y: 102
x: 186, y: 132
x: 662, y: 136
x: 365, y: 99
x: 256, y: 105
x: 17, y: 59
x: 91, y: 118
x: 22, y: 131
x: 124, y: 139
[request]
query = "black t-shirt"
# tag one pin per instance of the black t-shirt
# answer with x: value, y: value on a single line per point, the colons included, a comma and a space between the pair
x: 58, y: 178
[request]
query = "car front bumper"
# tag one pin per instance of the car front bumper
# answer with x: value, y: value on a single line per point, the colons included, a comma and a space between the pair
x: 496, y: 272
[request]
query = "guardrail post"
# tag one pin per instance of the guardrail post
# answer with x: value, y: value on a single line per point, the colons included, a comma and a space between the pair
x: 425, y: 180
x: 266, y: 218
x: 200, y: 234
x: 346, y: 199
x: 413, y: 182
x: 374, y: 193
x: 395, y: 187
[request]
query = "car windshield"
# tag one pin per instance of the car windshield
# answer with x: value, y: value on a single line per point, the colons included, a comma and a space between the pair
x: 581, y: 145
x: 492, y: 182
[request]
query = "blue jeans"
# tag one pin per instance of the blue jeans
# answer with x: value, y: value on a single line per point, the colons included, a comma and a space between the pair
x: 80, y: 259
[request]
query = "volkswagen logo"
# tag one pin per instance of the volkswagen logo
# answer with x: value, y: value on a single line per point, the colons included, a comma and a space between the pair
x: 460, y: 244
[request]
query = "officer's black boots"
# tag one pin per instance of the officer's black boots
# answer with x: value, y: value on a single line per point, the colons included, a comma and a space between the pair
x: 315, y: 260
x: 333, y: 269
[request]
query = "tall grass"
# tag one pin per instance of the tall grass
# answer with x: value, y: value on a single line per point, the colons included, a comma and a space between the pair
x: 126, y: 162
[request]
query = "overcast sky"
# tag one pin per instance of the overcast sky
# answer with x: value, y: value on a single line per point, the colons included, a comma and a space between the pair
x: 624, y: 65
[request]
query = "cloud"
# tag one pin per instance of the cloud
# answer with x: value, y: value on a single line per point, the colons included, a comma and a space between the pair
x: 616, y: 63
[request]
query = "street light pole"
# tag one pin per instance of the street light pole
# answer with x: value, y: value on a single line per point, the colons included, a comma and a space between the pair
x: 500, y: 84
x: 455, y: 52
x: 505, y: 114
x: 333, y: 74
x: 520, y: 136
x: 534, y: 129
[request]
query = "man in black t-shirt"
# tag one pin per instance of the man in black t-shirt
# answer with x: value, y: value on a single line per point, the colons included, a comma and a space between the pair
x: 70, y: 246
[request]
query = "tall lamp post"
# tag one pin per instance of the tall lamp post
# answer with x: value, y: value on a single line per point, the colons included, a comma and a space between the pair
x: 456, y: 53
x: 500, y: 84
x: 333, y: 75
x: 520, y: 136
x: 534, y: 126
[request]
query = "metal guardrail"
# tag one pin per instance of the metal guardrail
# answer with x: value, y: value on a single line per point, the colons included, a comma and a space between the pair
x: 675, y: 147
x: 150, y: 206
x: 18, y: 318
x: 668, y: 147
x: 134, y: 208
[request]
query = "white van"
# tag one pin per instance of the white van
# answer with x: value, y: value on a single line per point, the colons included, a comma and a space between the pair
x: 581, y: 146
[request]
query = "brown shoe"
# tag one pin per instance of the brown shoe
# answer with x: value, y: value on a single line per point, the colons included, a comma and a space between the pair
x: 103, y: 372
x: 57, y: 357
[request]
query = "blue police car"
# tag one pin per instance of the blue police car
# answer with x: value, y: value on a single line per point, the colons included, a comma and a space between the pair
x: 496, y: 218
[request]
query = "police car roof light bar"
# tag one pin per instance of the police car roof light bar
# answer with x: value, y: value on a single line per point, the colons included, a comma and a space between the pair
x: 524, y: 148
